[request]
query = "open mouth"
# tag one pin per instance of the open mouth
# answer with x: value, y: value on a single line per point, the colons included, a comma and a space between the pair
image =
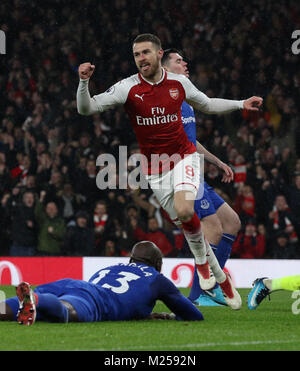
x: 145, y: 67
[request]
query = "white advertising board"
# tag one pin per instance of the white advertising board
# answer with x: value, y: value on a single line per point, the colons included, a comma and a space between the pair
x: 180, y: 271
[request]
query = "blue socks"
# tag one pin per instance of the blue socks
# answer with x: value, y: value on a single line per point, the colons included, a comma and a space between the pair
x: 223, y: 249
x: 51, y: 309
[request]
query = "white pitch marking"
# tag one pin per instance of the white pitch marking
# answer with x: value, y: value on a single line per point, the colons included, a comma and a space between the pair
x: 204, y: 345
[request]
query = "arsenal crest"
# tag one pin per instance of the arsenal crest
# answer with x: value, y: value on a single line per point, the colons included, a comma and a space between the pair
x: 174, y: 93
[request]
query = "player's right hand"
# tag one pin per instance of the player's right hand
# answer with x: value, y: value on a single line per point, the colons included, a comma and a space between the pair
x: 86, y: 70
x: 228, y: 175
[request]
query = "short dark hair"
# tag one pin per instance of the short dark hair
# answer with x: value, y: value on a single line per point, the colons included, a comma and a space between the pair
x: 146, y: 252
x: 166, y: 57
x: 147, y: 37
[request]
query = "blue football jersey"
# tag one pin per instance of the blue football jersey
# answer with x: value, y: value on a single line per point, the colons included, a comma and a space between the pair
x: 189, y: 121
x: 127, y: 290
x: 133, y: 289
x: 121, y: 292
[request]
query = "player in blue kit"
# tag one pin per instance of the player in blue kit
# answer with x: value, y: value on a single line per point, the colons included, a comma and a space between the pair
x: 117, y: 293
x: 219, y: 221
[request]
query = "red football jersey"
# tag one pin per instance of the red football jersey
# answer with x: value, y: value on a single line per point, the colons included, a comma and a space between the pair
x: 154, y: 110
x: 155, y: 114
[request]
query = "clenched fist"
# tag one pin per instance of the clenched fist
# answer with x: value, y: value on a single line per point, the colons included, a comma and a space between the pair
x: 253, y: 103
x: 86, y: 70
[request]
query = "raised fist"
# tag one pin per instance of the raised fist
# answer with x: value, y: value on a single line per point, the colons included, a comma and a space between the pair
x: 86, y: 70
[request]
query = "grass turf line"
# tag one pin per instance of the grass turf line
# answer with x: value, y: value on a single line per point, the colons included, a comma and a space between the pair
x: 272, y: 326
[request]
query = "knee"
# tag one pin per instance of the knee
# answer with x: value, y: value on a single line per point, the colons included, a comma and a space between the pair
x: 232, y: 225
x: 184, y: 213
x: 184, y: 205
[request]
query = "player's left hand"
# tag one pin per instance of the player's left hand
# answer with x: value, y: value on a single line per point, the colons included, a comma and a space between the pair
x: 228, y: 174
x: 253, y: 103
x: 162, y: 315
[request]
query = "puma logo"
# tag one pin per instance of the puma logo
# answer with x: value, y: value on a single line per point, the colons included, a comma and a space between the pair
x: 140, y: 96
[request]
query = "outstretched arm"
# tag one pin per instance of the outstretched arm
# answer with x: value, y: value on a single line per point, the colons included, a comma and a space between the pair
x: 221, y: 106
x: 218, y: 105
x: 202, y: 102
x: 182, y: 307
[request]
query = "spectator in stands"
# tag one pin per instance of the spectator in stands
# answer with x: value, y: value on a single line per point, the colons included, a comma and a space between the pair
x: 249, y: 244
x: 51, y: 227
x: 147, y: 209
x: 23, y: 224
x: 287, y: 164
x: 282, y: 220
x: 213, y: 175
x: 71, y: 202
x: 133, y: 212
x: 84, y: 148
x: 294, y: 201
x: 44, y: 167
x: 31, y: 184
x: 117, y: 200
x: 54, y: 187
x: 154, y: 234
x: 283, y: 248
x: 297, y: 168
x: 5, y: 179
x: 85, y: 184
x: 121, y: 236
x: 79, y: 238
x: 111, y: 248
x: 240, y: 170
x: 101, y: 225
x: 244, y: 203
x: 20, y: 172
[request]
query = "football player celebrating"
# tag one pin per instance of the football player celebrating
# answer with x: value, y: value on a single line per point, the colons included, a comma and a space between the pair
x: 116, y: 293
x: 153, y: 99
x: 220, y: 223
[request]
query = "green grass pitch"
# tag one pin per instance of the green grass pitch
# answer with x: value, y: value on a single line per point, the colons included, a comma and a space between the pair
x: 272, y: 326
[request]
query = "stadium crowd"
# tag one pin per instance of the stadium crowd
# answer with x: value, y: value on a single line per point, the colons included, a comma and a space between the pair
x: 50, y: 203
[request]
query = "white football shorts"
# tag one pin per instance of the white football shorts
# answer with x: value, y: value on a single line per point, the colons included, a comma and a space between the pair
x: 185, y: 176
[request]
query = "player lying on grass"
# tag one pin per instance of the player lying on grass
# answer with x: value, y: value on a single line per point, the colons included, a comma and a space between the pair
x: 116, y: 293
x: 263, y: 287
x: 220, y: 223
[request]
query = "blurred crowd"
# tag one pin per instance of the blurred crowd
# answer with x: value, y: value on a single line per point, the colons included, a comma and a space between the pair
x: 50, y: 203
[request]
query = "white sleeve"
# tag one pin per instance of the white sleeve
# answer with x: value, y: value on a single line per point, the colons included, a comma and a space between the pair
x: 98, y: 103
x: 85, y: 105
x: 202, y: 102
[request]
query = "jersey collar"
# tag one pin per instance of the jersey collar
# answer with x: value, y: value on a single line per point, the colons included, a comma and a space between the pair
x: 154, y: 83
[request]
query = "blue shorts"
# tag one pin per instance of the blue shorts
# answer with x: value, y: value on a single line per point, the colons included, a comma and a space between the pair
x: 83, y: 296
x: 83, y: 307
x: 209, y: 203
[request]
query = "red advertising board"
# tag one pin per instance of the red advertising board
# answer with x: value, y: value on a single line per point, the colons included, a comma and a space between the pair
x: 39, y: 270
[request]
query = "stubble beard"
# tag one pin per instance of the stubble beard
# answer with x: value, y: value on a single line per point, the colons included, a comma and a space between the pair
x: 150, y: 74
